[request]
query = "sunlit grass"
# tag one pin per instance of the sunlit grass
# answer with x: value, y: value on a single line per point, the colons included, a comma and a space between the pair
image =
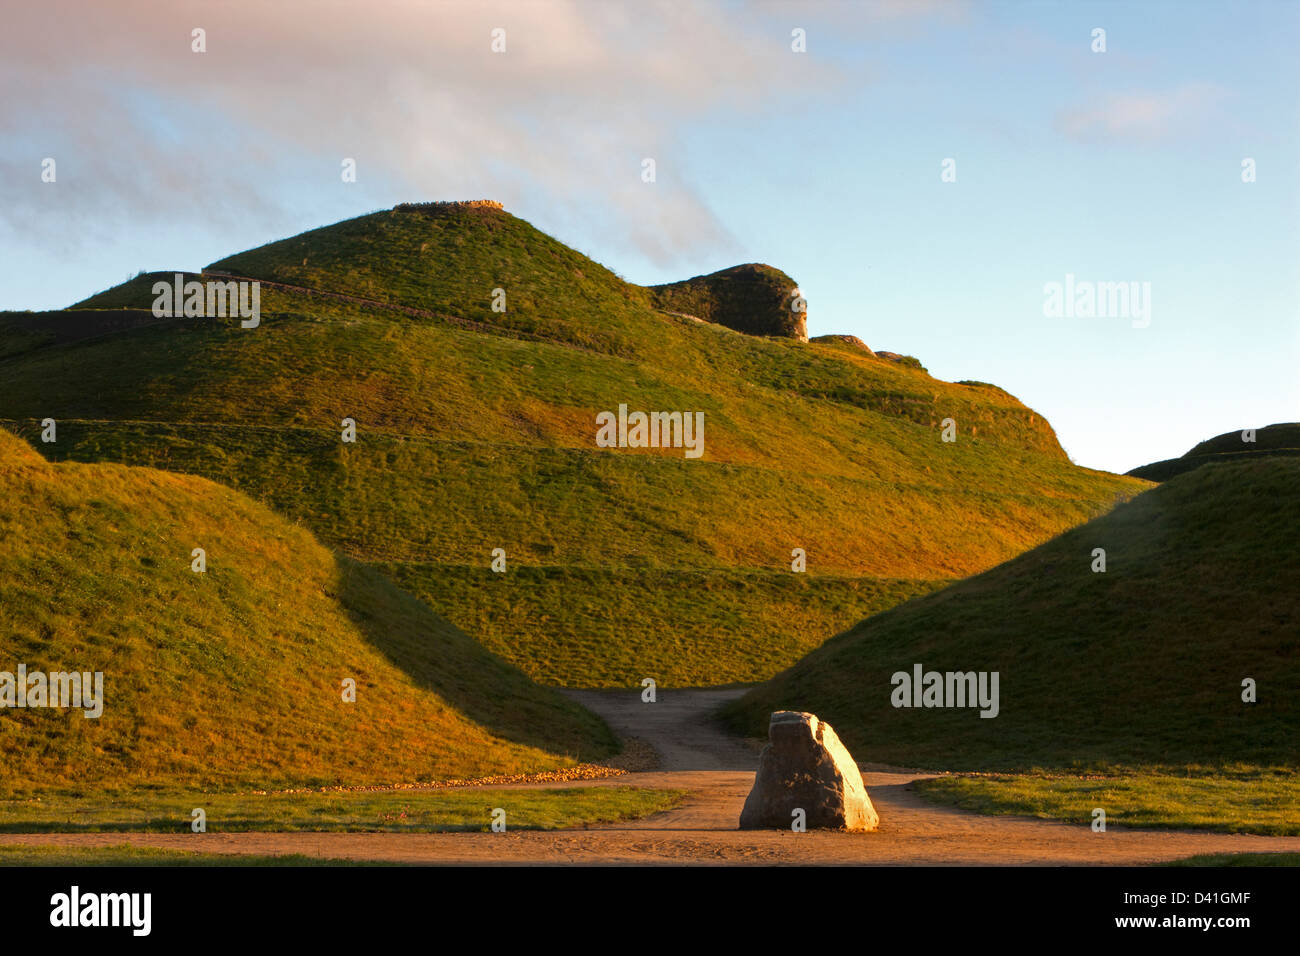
x: 234, y: 676
x: 1244, y: 800
x: 400, y: 811
x: 472, y: 438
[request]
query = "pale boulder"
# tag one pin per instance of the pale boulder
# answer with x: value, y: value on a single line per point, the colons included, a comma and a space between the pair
x: 805, y: 766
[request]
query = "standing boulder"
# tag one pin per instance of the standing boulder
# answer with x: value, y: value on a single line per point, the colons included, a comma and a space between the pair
x: 804, y: 766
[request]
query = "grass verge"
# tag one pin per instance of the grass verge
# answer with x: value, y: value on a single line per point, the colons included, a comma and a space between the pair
x: 1235, y: 800
x: 126, y: 855
x: 402, y: 811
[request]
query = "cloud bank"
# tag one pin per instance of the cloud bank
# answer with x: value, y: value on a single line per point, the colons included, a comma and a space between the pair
x: 145, y: 130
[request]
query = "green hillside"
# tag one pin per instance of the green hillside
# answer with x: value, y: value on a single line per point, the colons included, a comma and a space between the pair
x: 233, y: 676
x: 1141, y: 664
x: 476, y: 430
x: 1275, y: 440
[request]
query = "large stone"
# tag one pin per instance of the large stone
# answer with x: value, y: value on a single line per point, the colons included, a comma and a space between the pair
x: 804, y: 766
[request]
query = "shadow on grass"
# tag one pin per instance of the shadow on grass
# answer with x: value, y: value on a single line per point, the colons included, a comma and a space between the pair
x: 486, y: 689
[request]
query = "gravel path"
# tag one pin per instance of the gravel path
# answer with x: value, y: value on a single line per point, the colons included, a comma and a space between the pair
x: 696, y: 755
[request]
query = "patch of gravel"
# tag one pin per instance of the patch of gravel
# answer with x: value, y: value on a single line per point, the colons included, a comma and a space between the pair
x: 636, y: 757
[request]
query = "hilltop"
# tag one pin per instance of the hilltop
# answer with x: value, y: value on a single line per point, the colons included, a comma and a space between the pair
x: 234, y: 676
x: 1143, y: 663
x: 476, y: 431
x: 1274, y: 440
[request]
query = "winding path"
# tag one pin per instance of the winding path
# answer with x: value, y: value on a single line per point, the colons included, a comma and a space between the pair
x: 718, y: 770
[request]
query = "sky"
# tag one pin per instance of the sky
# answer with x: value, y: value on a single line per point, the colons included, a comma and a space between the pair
x: 924, y: 170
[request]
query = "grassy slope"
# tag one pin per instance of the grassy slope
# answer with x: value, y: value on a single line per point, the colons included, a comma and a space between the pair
x: 232, y: 677
x: 477, y: 438
x: 1274, y: 440
x: 1141, y: 665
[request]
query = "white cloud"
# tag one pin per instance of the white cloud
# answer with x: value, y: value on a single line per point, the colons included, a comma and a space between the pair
x: 147, y: 131
x: 1188, y: 111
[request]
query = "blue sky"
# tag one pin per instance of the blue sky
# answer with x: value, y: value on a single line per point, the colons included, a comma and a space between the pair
x: 1115, y: 166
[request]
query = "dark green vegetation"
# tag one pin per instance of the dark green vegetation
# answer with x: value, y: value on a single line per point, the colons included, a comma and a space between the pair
x: 1275, y: 440
x: 1230, y: 799
x: 233, y: 677
x: 1139, y: 666
x: 395, y: 811
x: 752, y: 298
x: 476, y: 431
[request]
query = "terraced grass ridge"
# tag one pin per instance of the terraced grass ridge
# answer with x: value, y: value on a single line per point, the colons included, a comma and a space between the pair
x: 234, y: 676
x: 476, y: 430
x: 1274, y: 440
x: 1143, y: 664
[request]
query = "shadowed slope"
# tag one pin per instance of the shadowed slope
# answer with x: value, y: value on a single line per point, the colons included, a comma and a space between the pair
x: 1275, y: 440
x: 1141, y: 663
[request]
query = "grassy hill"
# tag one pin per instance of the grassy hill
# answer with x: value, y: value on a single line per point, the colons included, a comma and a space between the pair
x: 1141, y: 664
x: 233, y: 676
x: 476, y: 430
x: 1274, y: 440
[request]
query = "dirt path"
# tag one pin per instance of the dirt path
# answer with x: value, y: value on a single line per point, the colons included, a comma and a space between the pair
x: 719, y: 770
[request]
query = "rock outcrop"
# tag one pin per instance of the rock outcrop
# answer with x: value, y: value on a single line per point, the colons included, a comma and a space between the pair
x: 804, y: 766
x: 852, y: 341
x: 753, y: 298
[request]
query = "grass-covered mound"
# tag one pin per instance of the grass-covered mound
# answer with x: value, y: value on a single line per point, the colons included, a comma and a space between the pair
x: 1281, y: 440
x: 752, y: 298
x: 1141, y: 664
x: 234, y: 676
x: 476, y: 430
